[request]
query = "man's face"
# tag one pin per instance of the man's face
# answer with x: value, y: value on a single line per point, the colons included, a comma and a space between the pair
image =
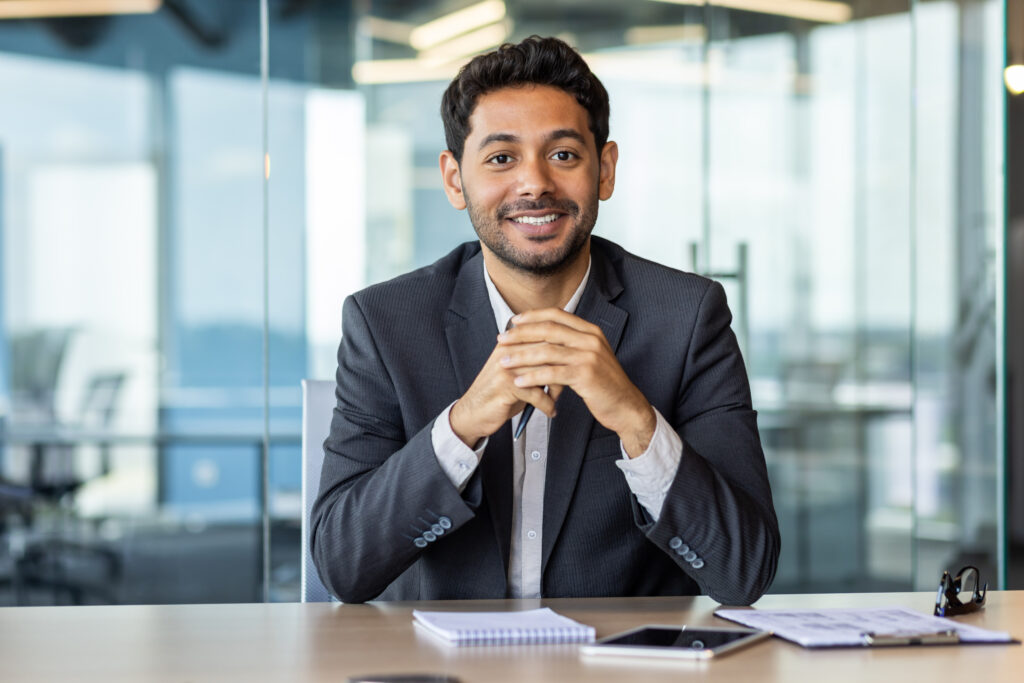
x: 531, y: 177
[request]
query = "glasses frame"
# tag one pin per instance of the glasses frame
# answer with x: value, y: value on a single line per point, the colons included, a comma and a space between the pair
x: 947, y: 599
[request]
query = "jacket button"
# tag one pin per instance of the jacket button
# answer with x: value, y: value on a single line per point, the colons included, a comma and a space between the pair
x: 697, y: 564
x: 675, y: 542
x: 445, y: 523
x: 430, y: 536
x: 690, y: 556
x: 437, y: 529
x: 420, y: 542
x: 683, y: 549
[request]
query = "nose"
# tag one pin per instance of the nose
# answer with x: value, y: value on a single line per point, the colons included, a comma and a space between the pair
x: 534, y: 179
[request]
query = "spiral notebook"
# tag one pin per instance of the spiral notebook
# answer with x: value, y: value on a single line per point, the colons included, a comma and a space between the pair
x: 534, y: 626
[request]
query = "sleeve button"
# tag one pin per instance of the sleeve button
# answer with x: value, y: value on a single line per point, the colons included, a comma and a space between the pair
x: 697, y: 564
x: 690, y: 556
x: 437, y: 529
x: 420, y: 542
x: 445, y: 523
x: 430, y: 536
x: 675, y: 542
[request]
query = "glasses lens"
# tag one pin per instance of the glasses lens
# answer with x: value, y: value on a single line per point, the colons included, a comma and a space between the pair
x: 968, y: 582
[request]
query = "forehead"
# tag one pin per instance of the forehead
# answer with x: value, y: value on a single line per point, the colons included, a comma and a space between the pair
x: 527, y: 111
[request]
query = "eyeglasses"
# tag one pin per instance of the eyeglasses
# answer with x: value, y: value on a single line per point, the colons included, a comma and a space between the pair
x: 947, y: 600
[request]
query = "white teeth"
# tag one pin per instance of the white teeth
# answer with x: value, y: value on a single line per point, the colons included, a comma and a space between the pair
x: 539, y: 220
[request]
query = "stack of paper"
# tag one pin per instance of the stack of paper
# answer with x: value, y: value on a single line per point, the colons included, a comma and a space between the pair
x: 846, y: 627
x: 504, y: 628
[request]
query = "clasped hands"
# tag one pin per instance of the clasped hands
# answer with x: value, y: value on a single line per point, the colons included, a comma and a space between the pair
x: 554, y: 349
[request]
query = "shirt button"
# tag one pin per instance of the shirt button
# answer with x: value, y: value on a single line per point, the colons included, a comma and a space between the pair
x: 531, y: 534
x: 675, y: 542
x: 690, y: 556
x: 437, y: 529
x: 420, y: 542
x: 535, y: 455
x: 697, y: 564
x: 463, y: 466
x: 430, y: 536
x: 445, y: 523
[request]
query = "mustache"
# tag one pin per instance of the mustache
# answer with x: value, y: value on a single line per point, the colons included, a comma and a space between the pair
x: 564, y: 205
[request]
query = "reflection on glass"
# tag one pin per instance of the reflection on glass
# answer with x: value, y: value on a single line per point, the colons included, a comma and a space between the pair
x: 846, y: 191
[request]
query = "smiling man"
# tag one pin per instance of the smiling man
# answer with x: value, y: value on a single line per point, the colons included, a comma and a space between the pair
x: 641, y: 470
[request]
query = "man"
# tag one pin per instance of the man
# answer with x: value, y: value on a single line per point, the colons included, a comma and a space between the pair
x: 641, y: 470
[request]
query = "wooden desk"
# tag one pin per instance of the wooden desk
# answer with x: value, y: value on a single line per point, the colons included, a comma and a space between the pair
x: 320, y: 642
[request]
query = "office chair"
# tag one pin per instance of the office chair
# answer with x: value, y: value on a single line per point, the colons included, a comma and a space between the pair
x: 318, y: 402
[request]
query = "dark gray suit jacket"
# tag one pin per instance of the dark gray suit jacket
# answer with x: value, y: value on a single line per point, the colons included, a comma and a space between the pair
x: 388, y: 523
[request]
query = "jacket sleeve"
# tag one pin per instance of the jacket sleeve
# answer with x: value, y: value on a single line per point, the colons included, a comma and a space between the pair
x: 383, y: 496
x: 718, y: 521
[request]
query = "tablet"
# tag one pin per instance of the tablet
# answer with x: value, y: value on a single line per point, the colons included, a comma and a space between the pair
x: 674, y: 642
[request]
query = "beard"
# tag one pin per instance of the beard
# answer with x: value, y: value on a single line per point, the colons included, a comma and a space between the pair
x: 489, y: 229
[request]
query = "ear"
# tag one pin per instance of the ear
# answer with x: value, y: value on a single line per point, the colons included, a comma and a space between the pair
x: 451, y: 178
x: 606, y: 181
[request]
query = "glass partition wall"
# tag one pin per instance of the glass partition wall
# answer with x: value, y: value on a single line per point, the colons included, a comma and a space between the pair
x: 170, y: 272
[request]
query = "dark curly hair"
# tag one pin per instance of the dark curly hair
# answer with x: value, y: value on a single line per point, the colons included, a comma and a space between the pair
x: 536, y: 60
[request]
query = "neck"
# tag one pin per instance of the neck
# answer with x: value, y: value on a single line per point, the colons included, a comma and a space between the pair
x: 524, y: 291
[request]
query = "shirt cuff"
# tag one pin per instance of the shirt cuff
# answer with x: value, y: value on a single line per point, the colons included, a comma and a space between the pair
x: 457, y: 460
x: 650, y: 474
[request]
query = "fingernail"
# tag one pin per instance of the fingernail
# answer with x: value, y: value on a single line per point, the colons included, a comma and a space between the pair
x: 506, y: 360
x: 503, y: 336
x: 516, y: 318
x: 520, y: 381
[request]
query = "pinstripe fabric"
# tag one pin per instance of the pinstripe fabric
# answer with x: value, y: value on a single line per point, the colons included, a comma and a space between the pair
x: 413, y: 345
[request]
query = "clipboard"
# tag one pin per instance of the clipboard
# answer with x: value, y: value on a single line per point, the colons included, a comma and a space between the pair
x: 864, y: 627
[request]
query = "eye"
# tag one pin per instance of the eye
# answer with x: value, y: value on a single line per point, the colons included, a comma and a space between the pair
x: 564, y: 155
x: 500, y: 159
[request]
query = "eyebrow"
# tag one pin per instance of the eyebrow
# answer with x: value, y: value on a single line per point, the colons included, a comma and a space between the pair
x: 553, y: 135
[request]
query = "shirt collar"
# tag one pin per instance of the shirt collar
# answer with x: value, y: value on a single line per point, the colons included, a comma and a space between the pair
x: 502, y: 312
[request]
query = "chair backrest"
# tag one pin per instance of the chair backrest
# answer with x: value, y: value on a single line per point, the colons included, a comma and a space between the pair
x: 318, y: 402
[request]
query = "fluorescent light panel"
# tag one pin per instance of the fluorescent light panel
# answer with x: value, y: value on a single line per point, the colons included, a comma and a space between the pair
x: 386, y: 29
x: 470, y: 43
x: 448, y: 26
x: 380, y: 71
x: 1014, y: 78
x: 645, y: 35
x: 34, y: 9
x: 823, y: 11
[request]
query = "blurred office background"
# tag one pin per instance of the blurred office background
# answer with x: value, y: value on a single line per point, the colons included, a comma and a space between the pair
x: 188, y: 190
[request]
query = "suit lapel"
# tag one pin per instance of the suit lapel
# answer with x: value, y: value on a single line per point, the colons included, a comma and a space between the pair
x: 570, y: 430
x: 471, y: 332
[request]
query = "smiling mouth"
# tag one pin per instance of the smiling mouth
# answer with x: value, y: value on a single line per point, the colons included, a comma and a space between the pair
x: 537, y: 220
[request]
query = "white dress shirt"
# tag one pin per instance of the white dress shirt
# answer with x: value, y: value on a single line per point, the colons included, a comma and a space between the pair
x: 648, y: 476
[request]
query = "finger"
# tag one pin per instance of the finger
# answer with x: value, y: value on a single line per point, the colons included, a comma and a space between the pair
x: 553, y: 333
x: 547, y: 376
x: 536, y: 397
x: 531, y: 355
x: 553, y: 315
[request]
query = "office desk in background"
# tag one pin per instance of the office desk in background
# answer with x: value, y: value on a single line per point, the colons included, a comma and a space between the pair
x: 324, y: 642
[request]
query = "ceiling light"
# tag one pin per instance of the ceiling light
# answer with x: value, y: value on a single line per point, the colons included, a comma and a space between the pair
x: 380, y: 71
x: 645, y: 35
x: 470, y: 43
x: 823, y: 11
x: 34, y: 9
x: 1014, y: 77
x: 386, y: 29
x: 447, y: 27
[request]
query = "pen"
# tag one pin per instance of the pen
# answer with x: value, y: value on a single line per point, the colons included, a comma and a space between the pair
x: 883, y: 639
x: 527, y: 412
